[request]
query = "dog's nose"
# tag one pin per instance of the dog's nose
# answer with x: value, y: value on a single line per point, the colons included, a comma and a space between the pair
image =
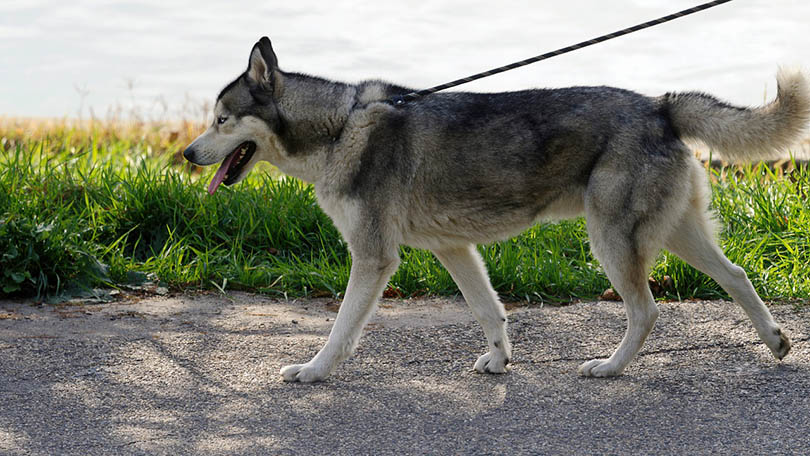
x: 189, y: 154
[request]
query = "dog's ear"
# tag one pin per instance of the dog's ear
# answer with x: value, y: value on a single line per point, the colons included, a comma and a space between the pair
x: 262, y: 64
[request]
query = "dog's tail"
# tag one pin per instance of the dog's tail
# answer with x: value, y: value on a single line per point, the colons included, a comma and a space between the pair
x: 744, y: 133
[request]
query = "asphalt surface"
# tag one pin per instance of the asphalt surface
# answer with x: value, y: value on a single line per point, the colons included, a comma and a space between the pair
x: 199, y: 374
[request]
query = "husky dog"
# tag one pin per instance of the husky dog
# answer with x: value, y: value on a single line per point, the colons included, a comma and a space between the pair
x: 451, y: 170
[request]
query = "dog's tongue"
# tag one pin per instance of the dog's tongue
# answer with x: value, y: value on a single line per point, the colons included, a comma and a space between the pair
x: 221, y: 172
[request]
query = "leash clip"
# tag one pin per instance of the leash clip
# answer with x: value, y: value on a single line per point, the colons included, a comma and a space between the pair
x: 397, y: 101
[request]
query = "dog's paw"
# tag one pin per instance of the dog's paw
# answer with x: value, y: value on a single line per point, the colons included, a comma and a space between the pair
x: 599, y: 368
x: 490, y: 363
x: 778, y: 342
x: 304, y: 373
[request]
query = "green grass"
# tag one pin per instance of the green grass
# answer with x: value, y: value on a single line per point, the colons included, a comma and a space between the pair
x: 79, y: 211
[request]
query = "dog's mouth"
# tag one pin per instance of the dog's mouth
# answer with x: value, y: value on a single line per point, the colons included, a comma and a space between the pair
x: 232, y: 166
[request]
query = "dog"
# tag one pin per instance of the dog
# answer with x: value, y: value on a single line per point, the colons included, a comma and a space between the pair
x: 451, y: 170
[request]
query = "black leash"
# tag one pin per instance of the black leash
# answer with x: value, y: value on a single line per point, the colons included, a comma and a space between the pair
x: 399, y: 100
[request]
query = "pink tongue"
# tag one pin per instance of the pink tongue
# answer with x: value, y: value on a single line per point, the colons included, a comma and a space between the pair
x: 221, y: 172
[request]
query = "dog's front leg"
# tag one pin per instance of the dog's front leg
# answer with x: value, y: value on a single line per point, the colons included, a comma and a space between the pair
x: 367, y: 280
x: 467, y: 268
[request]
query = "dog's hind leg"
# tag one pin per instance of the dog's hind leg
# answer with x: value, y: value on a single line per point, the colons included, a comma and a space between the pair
x: 693, y: 241
x: 626, y: 267
x: 468, y: 271
x: 369, y: 275
x: 626, y: 215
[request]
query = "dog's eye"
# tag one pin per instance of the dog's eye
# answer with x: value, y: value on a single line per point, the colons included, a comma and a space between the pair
x: 222, y: 119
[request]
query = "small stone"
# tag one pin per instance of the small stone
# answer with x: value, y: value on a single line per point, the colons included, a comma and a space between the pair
x: 610, y: 295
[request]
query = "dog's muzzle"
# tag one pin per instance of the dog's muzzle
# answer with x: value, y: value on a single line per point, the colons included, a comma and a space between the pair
x: 188, y: 154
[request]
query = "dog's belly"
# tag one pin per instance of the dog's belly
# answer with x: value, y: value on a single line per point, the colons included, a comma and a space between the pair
x: 441, y: 227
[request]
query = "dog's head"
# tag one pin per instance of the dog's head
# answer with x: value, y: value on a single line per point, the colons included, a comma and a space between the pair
x: 246, y: 121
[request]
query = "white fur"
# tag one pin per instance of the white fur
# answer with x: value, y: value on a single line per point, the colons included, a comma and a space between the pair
x: 467, y: 269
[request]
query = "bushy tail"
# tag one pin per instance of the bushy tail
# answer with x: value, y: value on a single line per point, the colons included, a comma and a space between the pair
x: 745, y: 133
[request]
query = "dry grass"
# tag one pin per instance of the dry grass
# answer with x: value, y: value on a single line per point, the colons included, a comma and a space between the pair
x: 159, y: 136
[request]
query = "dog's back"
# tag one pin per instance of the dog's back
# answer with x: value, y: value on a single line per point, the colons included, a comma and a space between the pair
x: 491, y: 164
x: 480, y: 167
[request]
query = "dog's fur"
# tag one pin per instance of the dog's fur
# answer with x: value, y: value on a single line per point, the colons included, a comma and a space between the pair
x: 451, y: 170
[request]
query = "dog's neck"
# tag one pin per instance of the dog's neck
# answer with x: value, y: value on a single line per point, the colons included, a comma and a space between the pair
x: 314, y: 112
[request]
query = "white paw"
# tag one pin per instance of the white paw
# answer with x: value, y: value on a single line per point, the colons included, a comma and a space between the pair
x: 778, y: 342
x: 304, y: 373
x: 599, y: 368
x: 490, y: 363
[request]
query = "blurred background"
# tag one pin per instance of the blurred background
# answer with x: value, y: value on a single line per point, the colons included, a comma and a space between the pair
x: 163, y: 60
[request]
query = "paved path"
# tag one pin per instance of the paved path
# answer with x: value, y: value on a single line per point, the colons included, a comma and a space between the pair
x: 199, y: 375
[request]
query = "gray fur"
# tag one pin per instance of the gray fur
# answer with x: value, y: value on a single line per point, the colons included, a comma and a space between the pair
x: 451, y: 170
x: 740, y: 133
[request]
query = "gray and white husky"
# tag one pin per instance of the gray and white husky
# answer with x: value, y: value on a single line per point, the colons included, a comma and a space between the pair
x: 451, y: 170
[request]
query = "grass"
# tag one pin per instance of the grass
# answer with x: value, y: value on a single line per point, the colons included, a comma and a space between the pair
x: 105, y: 206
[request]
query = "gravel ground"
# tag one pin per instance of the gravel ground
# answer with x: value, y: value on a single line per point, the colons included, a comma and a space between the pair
x: 198, y: 374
